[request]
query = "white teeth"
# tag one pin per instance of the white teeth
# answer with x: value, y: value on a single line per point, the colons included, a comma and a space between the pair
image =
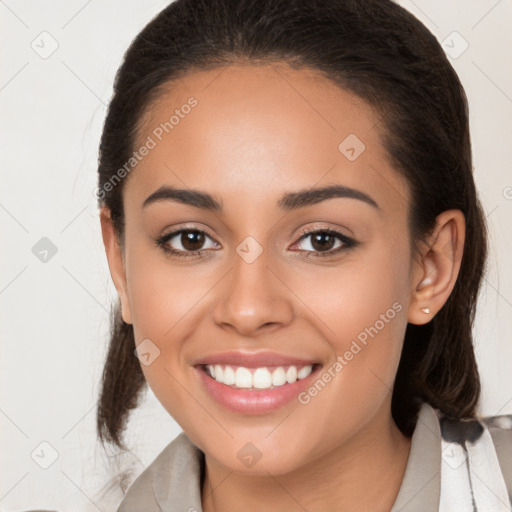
x: 243, y: 377
x: 258, y: 378
x: 229, y: 376
x: 278, y: 377
x: 291, y: 375
x: 262, y: 379
x: 218, y: 373
x: 304, y: 372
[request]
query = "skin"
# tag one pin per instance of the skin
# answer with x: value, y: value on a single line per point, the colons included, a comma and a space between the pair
x: 257, y: 133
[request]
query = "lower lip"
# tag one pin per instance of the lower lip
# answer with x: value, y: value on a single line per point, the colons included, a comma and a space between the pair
x: 252, y: 401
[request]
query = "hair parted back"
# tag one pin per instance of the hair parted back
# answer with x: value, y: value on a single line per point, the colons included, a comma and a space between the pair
x: 378, y: 51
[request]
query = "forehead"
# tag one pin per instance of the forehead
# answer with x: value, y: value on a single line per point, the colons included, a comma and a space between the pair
x: 270, y: 129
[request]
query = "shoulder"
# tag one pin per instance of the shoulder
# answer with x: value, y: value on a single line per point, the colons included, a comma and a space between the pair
x: 480, y: 441
x: 472, y: 430
x: 500, y: 428
x: 178, y: 462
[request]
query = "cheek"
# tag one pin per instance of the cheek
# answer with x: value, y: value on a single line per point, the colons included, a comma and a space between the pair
x: 361, y: 310
x: 352, y: 296
x: 167, y: 302
x: 162, y: 292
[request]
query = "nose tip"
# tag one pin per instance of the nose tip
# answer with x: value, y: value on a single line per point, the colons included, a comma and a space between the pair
x: 252, y: 301
x: 250, y: 323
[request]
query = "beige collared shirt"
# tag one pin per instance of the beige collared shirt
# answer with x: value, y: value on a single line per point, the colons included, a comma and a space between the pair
x: 172, y: 482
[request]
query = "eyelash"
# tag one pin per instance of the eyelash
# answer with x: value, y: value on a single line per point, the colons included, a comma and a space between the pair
x: 348, y: 243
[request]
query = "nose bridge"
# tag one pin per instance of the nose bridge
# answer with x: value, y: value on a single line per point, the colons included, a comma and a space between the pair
x: 252, y: 296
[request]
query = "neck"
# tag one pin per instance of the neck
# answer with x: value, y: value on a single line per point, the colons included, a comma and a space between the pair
x: 364, y: 473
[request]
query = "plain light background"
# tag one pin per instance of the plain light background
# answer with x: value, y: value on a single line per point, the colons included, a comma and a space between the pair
x: 55, y: 314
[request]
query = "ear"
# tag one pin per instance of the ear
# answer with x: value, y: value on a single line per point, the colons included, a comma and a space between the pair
x: 115, y: 262
x: 436, y: 271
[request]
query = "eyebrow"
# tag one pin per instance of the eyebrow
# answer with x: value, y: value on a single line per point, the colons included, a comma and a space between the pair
x: 290, y: 201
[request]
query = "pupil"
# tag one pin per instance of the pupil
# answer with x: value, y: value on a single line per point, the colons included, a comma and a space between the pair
x: 192, y: 240
x: 317, y: 241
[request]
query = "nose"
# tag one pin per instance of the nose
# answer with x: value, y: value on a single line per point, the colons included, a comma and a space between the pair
x: 253, y: 299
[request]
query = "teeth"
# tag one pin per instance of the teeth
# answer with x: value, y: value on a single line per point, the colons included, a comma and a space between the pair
x: 229, y: 376
x: 258, y: 378
x: 303, y: 372
x: 291, y: 375
x: 278, y: 377
x: 243, y: 378
x: 262, y: 379
x: 218, y: 373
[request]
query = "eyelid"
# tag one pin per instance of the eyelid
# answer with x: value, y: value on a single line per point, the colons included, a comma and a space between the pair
x: 164, y: 239
x: 348, y: 242
x: 319, y: 226
x: 304, y: 231
x: 186, y: 227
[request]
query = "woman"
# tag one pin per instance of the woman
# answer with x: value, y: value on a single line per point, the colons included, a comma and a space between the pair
x: 291, y: 223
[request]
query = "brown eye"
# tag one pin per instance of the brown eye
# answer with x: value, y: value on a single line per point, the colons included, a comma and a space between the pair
x: 192, y: 240
x: 325, y: 242
x: 322, y: 241
x: 185, y: 242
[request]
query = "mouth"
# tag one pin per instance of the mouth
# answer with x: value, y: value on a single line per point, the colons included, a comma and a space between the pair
x: 255, y: 390
x: 240, y: 377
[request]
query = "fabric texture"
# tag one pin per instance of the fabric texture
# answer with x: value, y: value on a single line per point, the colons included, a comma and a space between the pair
x: 471, y: 476
x: 453, y: 466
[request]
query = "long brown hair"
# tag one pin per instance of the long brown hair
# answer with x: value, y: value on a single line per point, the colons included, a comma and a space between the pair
x: 380, y: 52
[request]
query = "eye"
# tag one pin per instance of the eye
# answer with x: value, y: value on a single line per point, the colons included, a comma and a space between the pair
x: 322, y: 242
x: 187, y: 242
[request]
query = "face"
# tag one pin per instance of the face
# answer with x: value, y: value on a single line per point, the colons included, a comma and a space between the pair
x: 269, y: 279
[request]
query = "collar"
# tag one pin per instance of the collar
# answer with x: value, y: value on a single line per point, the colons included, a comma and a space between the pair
x: 173, y: 480
x: 421, y: 486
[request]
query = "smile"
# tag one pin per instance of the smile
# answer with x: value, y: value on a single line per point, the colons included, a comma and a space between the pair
x: 262, y: 386
x: 257, y: 378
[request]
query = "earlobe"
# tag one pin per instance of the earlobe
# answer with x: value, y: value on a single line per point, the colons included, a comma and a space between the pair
x: 438, y: 267
x: 115, y: 262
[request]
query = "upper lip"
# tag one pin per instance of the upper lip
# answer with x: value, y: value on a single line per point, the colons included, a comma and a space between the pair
x: 254, y: 359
